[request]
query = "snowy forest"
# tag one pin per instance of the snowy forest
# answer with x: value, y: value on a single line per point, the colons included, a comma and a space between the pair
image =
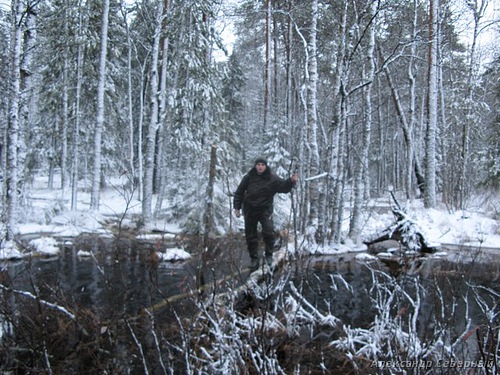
x: 175, y: 99
x: 356, y: 96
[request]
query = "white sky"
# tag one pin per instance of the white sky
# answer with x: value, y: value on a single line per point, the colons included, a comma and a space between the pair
x: 465, y: 24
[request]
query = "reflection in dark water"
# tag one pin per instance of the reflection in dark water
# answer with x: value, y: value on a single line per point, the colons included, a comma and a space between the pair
x: 126, y: 279
x: 446, y: 289
x: 113, y: 281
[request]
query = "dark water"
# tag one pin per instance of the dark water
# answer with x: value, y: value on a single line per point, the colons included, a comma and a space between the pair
x: 124, y: 277
x: 121, y: 279
x: 460, y: 288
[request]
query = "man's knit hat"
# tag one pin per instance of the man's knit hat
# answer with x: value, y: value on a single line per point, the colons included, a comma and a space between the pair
x: 261, y: 160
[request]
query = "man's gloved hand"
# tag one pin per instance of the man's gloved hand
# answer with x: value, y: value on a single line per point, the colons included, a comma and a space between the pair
x: 237, y: 212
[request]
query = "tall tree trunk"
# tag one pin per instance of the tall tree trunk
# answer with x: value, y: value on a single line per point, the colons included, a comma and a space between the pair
x: 312, y: 125
x: 162, y: 133
x: 12, y: 172
x: 338, y: 198
x: 65, y: 104
x: 208, y: 217
x: 28, y: 103
x: 431, y: 106
x: 339, y: 127
x: 267, y: 74
x: 96, y: 181
x: 303, y: 152
x: 410, y: 157
x: 362, y: 168
x: 154, y: 120
x: 76, y: 130
x: 288, y: 67
x: 276, y: 67
x: 130, y: 107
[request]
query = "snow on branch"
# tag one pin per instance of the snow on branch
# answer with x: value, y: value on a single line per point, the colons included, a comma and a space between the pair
x: 317, y: 177
x: 404, y: 230
x: 41, y: 301
x: 310, y: 314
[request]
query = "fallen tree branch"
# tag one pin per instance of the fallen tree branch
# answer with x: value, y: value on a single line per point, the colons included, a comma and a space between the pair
x: 404, y: 230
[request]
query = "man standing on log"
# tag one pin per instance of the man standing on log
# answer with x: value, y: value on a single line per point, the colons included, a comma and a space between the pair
x: 255, y: 194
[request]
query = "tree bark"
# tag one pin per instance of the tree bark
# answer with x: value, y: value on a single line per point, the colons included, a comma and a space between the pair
x: 431, y: 106
x: 162, y: 167
x: 362, y: 169
x: 76, y: 130
x: 96, y: 180
x: 288, y: 69
x: 130, y: 108
x: 267, y: 74
x: 28, y: 105
x: 312, y: 125
x: 154, y: 121
x: 338, y: 131
x: 208, y: 220
x: 12, y: 172
x: 65, y: 115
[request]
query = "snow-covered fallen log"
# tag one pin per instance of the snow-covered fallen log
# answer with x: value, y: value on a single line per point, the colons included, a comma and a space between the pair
x: 405, y: 230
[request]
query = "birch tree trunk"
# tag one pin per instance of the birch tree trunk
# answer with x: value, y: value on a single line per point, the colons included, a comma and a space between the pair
x: 338, y: 203
x: 337, y: 141
x: 140, y: 137
x: 312, y: 126
x: 130, y: 108
x: 65, y: 114
x: 431, y: 106
x: 162, y: 167
x: 362, y: 168
x: 410, y: 157
x: 76, y: 130
x: 96, y: 180
x: 13, y: 125
x: 302, y: 134
x: 154, y: 121
x: 288, y: 67
x: 267, y: 74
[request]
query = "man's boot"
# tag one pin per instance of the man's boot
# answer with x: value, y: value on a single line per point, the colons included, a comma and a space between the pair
x: 269, y: 240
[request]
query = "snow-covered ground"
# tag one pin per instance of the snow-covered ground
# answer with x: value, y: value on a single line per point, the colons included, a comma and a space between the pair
x: 462, y: 228
x: 472, y: 228
x: 48, y: 216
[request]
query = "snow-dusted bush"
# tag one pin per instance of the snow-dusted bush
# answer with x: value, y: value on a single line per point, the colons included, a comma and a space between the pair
x: 414, y: 330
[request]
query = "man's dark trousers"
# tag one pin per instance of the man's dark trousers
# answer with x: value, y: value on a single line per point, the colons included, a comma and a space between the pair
x: 253, y: 216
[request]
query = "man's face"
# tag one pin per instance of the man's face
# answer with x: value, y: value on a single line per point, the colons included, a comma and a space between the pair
x: 260, y: 167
